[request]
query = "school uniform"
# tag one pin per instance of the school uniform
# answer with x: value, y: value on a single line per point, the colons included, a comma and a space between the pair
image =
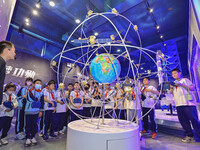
x: 76, y: 99
x: 133, y: 106
x: 87, y: 106
x: 34, y: 104
x: 120, y: 111
x: 20, y: 118
x: 147, y: 104
x: 96, y: 103
x: 186, y: 108
x: 49, y: 118
x: 61, y: 110
x: 109, y: 102
x: 6, y: 117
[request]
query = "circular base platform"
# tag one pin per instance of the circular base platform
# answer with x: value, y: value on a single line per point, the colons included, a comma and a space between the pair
x: 123, y: 135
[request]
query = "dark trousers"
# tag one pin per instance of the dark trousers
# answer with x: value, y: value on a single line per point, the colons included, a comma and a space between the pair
x: 108, y: 113
x: 68, y: 117
x: 31, y: 126
x: 87, y: 111
x: 19, y: 125
x: 151, y: 114
x: 41, y: 122
x: 49, y: 122
x: 73, y: 116
x: 187, y: 115
x: 5, y: 123
x: 97, y: 111
x: 61, y: 120
x: 120, y: 113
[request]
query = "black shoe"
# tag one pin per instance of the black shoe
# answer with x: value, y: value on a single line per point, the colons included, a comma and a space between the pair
x: 45, y: 137
x: 52, y: 135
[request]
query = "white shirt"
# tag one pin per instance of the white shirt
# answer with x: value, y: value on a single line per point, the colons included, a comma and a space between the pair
x: 50, y: 98
x: 131, y: 102
x: 87, y: 96
x: 120, y: 102
x: 3, y: 113
x: 73, y: 95
x: 149, y: 102
x: 60, y: 107
x: 109, y: 94
x: 95, y: 102
x: 180, y: 93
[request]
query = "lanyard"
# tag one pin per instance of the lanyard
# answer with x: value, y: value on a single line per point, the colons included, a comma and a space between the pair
x: 107, y: 93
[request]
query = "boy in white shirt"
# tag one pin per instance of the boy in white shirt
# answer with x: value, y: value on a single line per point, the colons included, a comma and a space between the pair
x: 185, y: 101
x: 119, y: 103
x: 87, y: 101
x: 7, y: 107
x: 150, y: 93
x: 76, y: 101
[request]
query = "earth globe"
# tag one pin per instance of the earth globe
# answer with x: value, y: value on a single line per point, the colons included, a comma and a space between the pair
x: 105, y: 68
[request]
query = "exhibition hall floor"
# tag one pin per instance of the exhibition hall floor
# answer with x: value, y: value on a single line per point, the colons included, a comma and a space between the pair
x: 163, y: 142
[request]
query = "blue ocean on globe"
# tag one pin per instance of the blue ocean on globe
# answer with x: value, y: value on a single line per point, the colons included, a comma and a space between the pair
x: 105, y: 68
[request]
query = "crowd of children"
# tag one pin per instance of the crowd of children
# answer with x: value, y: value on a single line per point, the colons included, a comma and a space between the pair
x: 46, y: 110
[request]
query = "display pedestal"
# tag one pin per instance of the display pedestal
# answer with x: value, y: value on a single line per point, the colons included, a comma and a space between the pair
x: 82, y: 135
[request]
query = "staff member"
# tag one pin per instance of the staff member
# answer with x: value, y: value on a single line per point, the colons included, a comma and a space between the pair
x: 7, y: 51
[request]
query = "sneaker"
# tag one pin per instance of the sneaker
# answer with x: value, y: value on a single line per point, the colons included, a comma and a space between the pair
x: 4, y: 141
x: 56, y: 133
x: 20, y: 136
x: 52, y: 135
x: 144, y: 131
x: 0, y: 143
x: 33, y: 140
x: 45, y: 137
x: 188, y: 139
x: 41, y: 134
x: 28, y: 142
x: 61, y: 132
x: 154, y: 135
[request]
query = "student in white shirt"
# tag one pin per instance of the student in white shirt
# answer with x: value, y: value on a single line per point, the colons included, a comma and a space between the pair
x: 109, y: 101
x: 87, y: 101
x: 185, y: 101
x: 119, y: 103
x: 76, y: 101
x: 96, y: 103
x: 49, y: 110
x: 61, y: 108
x: 150, y: 93
x: 7, y: 107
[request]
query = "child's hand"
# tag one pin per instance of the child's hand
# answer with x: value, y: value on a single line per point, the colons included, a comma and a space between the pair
x: 54, y: 110
x: 148, y: 90
x: 40, y: 114
x: 52, y: 104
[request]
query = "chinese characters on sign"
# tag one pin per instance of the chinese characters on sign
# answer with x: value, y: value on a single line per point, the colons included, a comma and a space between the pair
x: 20, y: 72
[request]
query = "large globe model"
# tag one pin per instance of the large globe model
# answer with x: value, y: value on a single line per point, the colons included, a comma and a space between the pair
x: 105, y: 68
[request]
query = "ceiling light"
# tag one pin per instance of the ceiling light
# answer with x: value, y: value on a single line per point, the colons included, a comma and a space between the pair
x: 161, y: 36
x: 52, y: 4
x: 141, y: 68
x: 27, y: 24
x: 27, y: 20
x: 35, y: 12
x: 118, y: 50
x: 37, y: 5
x: 96, y: 33
x: 157, y: 27
x: 150, y: 10
x: 77, y: 21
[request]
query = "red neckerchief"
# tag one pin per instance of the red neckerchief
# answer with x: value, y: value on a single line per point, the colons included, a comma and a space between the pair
x: 133, y: 93
x: 107, y: 93
x: 85, y: 92
x: 143, y: 90
x: 77, y: 94
x: 10, y: 98
x: 35, y: 90
x: 51, y: 93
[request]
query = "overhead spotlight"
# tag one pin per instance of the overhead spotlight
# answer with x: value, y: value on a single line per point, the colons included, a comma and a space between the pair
x: 27, y: 24
x: 161, y: 36
x: 157, y: 27
x: 52, y: 4
x: 35, y: 12
x: 150, y: 10
x: 141, y: 68
x: 27, y: 20
x: 77, y: 21
x: 37, y: 5
x: 96, y: 33
x: 164, y: 44
x: 118, y: 50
